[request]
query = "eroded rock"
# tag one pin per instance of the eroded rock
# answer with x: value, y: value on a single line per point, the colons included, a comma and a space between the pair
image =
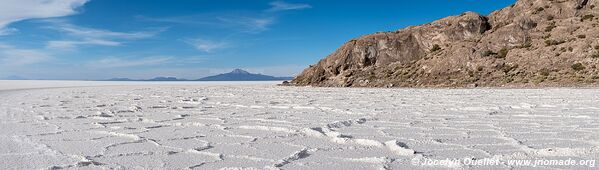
x: 531, y: 43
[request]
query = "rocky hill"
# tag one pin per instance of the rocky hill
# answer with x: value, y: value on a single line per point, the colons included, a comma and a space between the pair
x: 531, y: 43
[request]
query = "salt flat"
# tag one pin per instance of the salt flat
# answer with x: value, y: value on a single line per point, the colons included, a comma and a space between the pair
x: 187, y: 125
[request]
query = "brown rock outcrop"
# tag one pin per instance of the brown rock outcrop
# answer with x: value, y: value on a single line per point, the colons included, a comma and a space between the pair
x: 531, y: 43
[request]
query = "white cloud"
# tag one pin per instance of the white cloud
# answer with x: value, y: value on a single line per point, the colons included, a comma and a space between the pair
x: 17, y: 10
x: 249, y: 24
x: 115, y: 62
x: 92, y: 36
x: 241, y: 22
x: 65, y: 45
x: 14, y: 57
x: 283, y: 6
x: 84, y: 32
x: 6, y: 31
x: 208, y: 45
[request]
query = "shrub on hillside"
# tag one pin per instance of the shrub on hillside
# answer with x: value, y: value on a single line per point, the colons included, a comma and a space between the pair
x: 503, y: 53
x: 578, y: 67
x: 588, y: 17
x: 436, y: 47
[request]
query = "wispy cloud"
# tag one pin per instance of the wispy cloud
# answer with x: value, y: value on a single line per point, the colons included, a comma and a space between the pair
x: 91, y: 36
x: 7, y: 31
x: 86, y: 32
x: 229, y: 23
x: 143, y: 62
x: 208, y: 45
x: 17, y: 10
x: 283, y: 6
x: 13, y: 57
x: 251, y: 24
x: 115, y: 62
x: 67, y: 44
x: 240, y: 22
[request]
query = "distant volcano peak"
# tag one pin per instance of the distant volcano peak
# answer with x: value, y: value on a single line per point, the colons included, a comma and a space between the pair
x: 239, y: 71
x: 242, y: 75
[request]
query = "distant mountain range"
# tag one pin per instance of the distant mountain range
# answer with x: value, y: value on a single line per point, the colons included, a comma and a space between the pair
x: 120, y: 79
x: 235, y: 75
x: 242, y: 75
x: 153, y: 79
x: 166, y: 79
x: 14, y: 78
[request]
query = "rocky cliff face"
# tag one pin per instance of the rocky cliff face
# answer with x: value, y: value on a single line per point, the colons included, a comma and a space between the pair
x: 531, y: 43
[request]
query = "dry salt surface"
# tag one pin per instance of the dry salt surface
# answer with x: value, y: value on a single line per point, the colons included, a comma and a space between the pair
x: 195, y: 125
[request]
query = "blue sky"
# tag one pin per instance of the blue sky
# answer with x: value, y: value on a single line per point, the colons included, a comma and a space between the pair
x: 100, y: 39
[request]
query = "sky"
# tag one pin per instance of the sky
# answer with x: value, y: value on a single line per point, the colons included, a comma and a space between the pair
x: 102, y: 39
